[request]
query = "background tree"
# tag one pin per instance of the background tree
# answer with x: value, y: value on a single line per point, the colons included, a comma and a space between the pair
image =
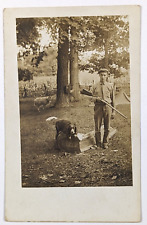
x: 113, y: 37
x: 28, y: 35
x: 109, y: 39
x: 107, y: 36
x: 62, y: 70
x: 74, y: 70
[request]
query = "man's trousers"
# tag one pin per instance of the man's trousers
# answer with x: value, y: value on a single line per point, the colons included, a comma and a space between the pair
x: 102, y: 112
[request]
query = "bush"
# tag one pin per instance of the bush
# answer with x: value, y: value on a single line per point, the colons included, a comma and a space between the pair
x: 24, y: 74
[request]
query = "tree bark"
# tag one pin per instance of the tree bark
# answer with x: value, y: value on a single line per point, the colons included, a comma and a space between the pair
x: 62, y: 70
x: 106, y: 49
x: 106, y: 53
x: 74, y: 71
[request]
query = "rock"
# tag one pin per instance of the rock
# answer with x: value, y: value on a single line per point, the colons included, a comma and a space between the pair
x: 114, y: 177
x: 77, y: 182
x: 62, y: 181
x: 26, y: 176
x: 50, y: 175
x: 83, y: 175
x: 43, y: 177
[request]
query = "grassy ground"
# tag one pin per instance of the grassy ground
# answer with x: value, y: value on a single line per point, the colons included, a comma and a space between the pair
x: 44, y: 166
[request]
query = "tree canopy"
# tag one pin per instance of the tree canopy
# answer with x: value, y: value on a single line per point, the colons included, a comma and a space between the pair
x: 106, y: 36
x: 91, y: 33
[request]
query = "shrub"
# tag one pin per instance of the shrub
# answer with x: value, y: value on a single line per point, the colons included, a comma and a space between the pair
x: 24, y: 74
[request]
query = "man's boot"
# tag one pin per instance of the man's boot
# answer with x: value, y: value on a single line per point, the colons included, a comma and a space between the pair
x: 106, y: 139
x: 105, y: 145
x: 98, y: 138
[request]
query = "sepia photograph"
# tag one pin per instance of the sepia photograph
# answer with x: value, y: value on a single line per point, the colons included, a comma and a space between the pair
x: 74, y: 95
x: 73, y: 112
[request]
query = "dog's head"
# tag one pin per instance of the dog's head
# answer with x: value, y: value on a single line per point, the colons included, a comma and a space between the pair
x: 72, y: 130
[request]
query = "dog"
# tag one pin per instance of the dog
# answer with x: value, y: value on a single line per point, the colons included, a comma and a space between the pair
x: 66, y: 138
x: 41, y: 102
x: 67, y: 128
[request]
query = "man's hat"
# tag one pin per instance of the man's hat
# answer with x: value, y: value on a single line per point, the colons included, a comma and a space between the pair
x: 103, y: 70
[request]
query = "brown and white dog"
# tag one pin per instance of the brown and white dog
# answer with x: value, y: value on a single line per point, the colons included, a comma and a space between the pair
x: 64, y: 126
x: 66, y: 135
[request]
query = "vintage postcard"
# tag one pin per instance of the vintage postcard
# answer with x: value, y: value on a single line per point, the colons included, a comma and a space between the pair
x: 72, y: 114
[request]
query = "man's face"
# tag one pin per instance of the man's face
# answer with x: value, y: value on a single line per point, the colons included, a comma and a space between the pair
x: 103, y: 77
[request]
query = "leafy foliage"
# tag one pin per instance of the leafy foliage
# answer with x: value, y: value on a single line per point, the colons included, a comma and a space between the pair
x: 24, y: 74
x: 90, y: 33
x: 28, y: 35
x: 38, y: 58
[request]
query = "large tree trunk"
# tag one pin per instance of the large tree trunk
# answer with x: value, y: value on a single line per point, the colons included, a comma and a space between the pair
x: 74, y: 79
x: 62, y: 71
x: 106, y: 49
x: 106, y: 53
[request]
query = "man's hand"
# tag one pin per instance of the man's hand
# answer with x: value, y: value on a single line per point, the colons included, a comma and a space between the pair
x: 97, y: 99
x: 112, y: 115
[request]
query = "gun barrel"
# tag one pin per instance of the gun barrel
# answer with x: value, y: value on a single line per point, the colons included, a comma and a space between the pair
x: 85, y: 92
x: 114, y: 109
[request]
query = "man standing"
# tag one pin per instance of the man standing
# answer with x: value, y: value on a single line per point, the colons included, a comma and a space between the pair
x: 103, y: 91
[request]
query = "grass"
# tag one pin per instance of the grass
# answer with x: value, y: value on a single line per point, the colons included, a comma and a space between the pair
x: 44, y: 166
